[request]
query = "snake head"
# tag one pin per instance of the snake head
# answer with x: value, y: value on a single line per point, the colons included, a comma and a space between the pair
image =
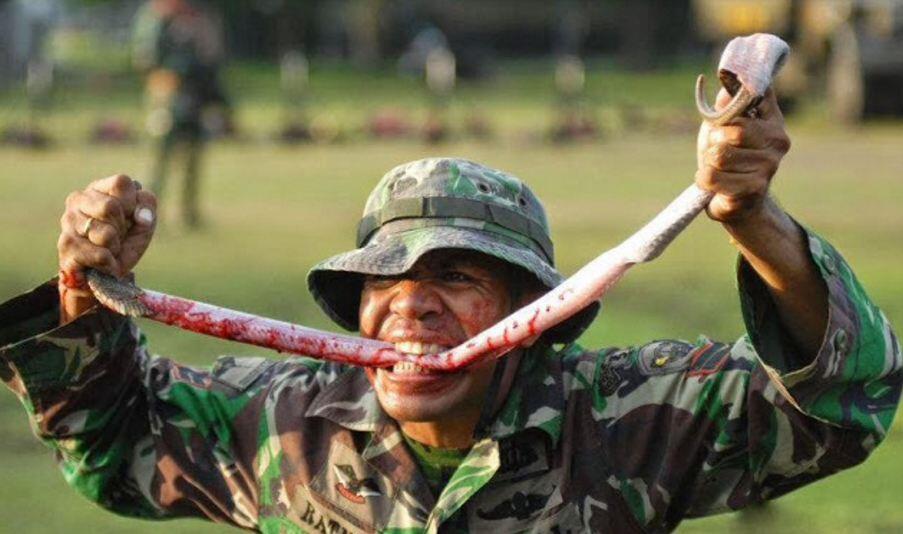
x: 121, y: 296
x: 747, y: 68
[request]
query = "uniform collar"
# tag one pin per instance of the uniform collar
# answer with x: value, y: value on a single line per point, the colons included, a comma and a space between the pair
x: 536, y: 400
x: 349, y: 401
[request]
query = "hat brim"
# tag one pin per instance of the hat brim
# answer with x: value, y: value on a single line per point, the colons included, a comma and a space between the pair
x: 336, y: 282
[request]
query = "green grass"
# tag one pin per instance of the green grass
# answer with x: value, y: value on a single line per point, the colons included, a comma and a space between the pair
x: 274, y: 211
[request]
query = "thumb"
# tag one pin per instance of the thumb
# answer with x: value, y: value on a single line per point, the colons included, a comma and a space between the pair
x: 722, y: 99
x: 145, y: 214
x: 141, y: 232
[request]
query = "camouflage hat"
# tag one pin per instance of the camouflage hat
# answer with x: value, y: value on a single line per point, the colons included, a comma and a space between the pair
x: 442, y: 203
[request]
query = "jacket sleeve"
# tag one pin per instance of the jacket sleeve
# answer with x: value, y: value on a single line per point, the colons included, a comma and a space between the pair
x: 140, y: 435
x: 697, y: 429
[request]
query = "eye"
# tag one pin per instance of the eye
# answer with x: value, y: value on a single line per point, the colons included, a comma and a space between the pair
x: 456, y: 277
x: 379, y: 282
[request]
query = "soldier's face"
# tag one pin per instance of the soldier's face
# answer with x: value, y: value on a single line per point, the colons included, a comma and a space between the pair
x: 447, y: 298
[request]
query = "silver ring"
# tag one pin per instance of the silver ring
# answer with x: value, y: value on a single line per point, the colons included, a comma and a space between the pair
x: 87, y: 227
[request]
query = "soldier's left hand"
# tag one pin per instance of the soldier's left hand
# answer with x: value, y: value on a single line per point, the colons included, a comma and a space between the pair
x: 738, y: 160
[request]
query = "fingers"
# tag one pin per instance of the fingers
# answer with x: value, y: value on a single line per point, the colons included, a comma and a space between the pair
x: 734, y: 184
x: 734, y: 159
x: 77, y: 254
x: 121, y: 187
x: 741, y: 132
x: 98, y: 206
x: 108, y: 226
x: 768, y: 108
x: 751, y: 133
x: 96, y: 231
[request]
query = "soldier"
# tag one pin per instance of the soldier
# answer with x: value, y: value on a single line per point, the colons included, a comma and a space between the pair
x: 180, y: 47
x: 546, y: 439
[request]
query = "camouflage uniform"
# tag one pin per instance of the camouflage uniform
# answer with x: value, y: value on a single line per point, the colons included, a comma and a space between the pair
x: 615, y: 440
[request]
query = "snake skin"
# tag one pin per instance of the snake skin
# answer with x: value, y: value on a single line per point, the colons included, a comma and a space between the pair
x: 121, y: 297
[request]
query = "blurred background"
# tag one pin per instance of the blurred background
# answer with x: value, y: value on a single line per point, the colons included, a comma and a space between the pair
x: 263, y: 124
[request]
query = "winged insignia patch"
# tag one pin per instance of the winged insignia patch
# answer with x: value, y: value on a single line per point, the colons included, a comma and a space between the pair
x: 352, y: 488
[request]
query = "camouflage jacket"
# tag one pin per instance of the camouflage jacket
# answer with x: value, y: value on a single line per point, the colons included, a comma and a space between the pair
x: 617, y: 440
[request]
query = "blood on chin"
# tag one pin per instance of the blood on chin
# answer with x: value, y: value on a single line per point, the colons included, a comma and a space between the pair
x: 424, y: 398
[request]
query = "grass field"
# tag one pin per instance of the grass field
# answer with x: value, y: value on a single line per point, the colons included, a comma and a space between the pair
x: 273, y: 211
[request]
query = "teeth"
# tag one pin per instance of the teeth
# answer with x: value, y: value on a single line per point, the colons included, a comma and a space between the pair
x: 408, y: 368
x: 416, y: 347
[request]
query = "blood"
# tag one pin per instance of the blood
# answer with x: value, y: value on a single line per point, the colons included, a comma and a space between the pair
x: 169, y: 310
x: 380, y: 359
x: 272, y: 337
x: 531, y: 325
x: 72, y: 280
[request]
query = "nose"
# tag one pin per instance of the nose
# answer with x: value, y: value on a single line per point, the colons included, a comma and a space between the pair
x: 415, y: 299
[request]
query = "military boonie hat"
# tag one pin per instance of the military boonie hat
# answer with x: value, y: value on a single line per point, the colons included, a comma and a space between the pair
x: 443, y: 203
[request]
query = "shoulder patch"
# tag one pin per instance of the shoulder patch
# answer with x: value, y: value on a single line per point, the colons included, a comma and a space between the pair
x: 708, y: 359
x: 664, y: 357
x: 612, y: 372
x: 240, y: 373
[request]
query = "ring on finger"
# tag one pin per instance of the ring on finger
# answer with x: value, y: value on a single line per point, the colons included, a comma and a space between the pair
x: 87, y: 227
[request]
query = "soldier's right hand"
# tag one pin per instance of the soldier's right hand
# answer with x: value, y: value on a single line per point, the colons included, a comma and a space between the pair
x: 107, y: 226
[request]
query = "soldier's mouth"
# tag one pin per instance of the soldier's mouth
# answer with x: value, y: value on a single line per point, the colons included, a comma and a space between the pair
x: 416, y: 348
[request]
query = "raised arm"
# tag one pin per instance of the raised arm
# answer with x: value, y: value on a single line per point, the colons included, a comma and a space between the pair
x: 737, y: 162
x: 137, y: 434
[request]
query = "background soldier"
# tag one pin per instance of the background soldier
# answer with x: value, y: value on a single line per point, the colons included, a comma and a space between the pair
x: 180, y: 46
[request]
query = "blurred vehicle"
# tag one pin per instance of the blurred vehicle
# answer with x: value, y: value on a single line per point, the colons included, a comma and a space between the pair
x: 850, y: 50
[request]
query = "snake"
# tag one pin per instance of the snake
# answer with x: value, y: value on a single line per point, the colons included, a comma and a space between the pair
x: 746, y: 70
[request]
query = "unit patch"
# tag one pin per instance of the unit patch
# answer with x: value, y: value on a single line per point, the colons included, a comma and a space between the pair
x: 708, y: 359
x: 609, y: 380
x: 664, y: 357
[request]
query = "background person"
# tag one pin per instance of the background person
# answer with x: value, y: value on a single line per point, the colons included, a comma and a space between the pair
x: 180, y: 47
